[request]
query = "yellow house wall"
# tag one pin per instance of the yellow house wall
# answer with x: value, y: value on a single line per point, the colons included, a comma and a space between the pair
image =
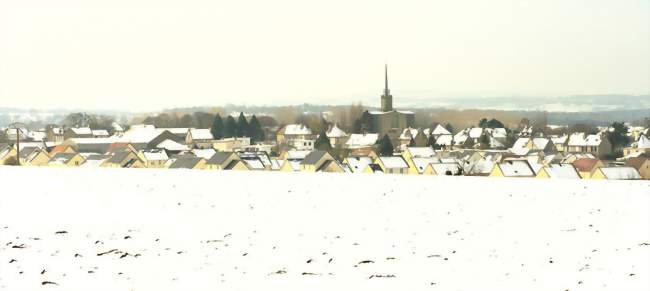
x: 598, y: 174
x: 542, y: 174
x: 496, y: 171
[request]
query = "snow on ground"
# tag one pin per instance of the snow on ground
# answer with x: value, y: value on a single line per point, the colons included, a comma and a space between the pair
x: 146, y: 229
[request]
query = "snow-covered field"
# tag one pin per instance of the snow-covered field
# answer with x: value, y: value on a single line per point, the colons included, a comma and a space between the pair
x: 145, y: 229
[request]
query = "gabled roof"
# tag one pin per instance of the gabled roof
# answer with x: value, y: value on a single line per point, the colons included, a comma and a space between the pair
x: 357, y: 164
x: 521, y: 143
x: 444, y: 140
x: 540, y: 143
x: 204, y: 153
x: 440, y: 130
x: 336, y: 132
x: 585, y: 164
x: 297, y: 154
x: 562, y: 171
x: 81, y: 130
x: 219, y: 158
x: 155, y: 155
x: 636, y: 162
x: 296, y: 129
x: 62, y: 158
x: 421, y: 152
x: 119, y: 156
x: 393, y: 162
x: 362, y: 140
x: 422, y: 163
x: 475, y: 132
x: 185, y: 162
x: 200, y: 133
x: 443, y: 169
x: 620, y: 173
x: 171, y: 145
x: 100, y: 132
x: 313, y: 157
x: 516, y: 168
x: 643, y: 142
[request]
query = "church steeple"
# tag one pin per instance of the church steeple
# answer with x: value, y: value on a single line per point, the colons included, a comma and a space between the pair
x: 386, y: 99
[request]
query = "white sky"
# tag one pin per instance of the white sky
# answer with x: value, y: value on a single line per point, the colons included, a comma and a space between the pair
x: 140, y: 54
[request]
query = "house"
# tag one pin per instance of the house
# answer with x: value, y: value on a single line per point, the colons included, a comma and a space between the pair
x: 225, y: 161
x: 641, y: 145
x: 77, y: 132
x: 63, y: 148
x: 393, y: 165
x: 290, y: 165
x: 641, y: 164
x: 361, y: 140
x: 357, y: 164
x: 33, y: 156
x: 337, y: 136
x: 480, y: 167
x: 513, y: 169
x: 54, y: 134
x: 64, y: 159
x: 558, y: 171
x: 373, y: 169
x: 364, y: 152
x: 294, y: 132
x: 420, y: 165
x: 320, y: 161
x: 444, y: 141
x: 100, y: 133
x: 124, y: 158
x: 153, y: 158
x: 199, y: 138
x: 188, y: 162
x: 95, y: 160
x: 587, y: 166
x: 7, y: 154
x: 616, y: 173
x: 231, y: 144
x: 301, y: 144
x: 293, y: 155
x: 417, y: 137
x: 256, y: 160
x: 594, y: 143
x: 440, y: 130
x: 444, y: 168
x: 561, y: 143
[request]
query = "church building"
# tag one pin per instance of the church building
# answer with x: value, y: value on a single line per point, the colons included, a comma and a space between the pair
x: 388, y: 120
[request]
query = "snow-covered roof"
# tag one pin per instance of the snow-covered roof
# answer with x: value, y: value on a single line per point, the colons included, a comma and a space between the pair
x: 443, y: 169
x: 171, y: 145
x: 643, y: 142
x: 155, y: 155
x: 540, y: 143
x: 444, y: 140
x: 422, y: 163
x: 520, y: 143
x: 57, y: 130
x: 593, y: 140
x: 393, y: 162
x: 82, y: 130
x: 440, y: 130
x: 275, y: 164
x: 100, y: 132
x: 562, y: 171
x: 408, y: 133
x: 335, y: 132
x: 93, y: 140
x: 296, y: 154
x: 116, y: 126
x: 201, y: 133
x: 204, y: 153
x: 620, y: 173
x: 37, y: 135
x: 254, y: 163
x: 516, y: 168
x: 499, y: 132
x: 421, y: 152
x: 296, y: 129
x: 362, y: 140
x: 357, y: 164
x: 475, y: 132
x: 577, y: 139
x: 481, y: 166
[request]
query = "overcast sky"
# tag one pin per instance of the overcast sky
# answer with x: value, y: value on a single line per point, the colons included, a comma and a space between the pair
x: 142, y: 55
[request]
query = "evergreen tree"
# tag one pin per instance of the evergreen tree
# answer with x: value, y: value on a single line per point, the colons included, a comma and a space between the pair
x: 217, y: 127
x: 255, y: 130
x: 384, y: 146
x: 322, y: 143
x: 618, y: 137
x: 449, y: 128
x: 230, y: 127
x: 483, y: 123
x: 242, y: 126
x: 493, y: 123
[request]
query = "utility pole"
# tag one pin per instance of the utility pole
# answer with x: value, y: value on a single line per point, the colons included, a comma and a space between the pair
x: 16, y: 125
